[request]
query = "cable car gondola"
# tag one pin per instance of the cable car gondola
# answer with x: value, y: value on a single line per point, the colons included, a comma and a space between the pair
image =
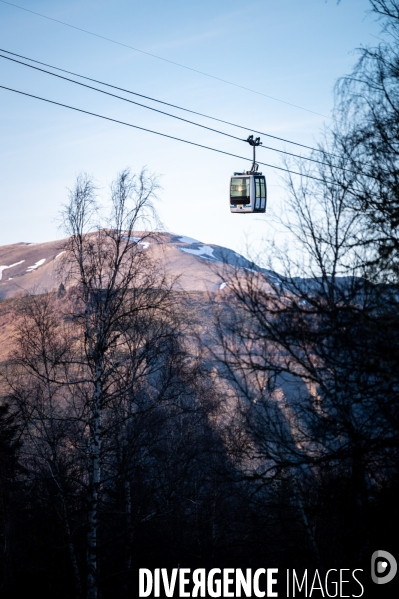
x: 248, y: 191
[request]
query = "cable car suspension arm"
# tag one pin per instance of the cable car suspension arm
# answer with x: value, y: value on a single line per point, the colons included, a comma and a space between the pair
x: 254, y: 143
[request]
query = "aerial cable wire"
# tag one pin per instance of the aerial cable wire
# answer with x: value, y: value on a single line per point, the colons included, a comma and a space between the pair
x: 163, y: 59
x: 171, y: 115
x: 207, y: 116
x: 192, y: 143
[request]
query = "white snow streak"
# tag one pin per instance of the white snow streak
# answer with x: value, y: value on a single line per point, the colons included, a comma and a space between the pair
x: 144, y: 244
x: 222, y: 285
x: 134, y: 239
x: 184, y: 239
x: 11, y: 266
x: 36, y: 265
x: 203, y: 252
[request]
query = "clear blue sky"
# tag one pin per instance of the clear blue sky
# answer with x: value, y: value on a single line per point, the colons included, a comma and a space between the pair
x: 290, y: 49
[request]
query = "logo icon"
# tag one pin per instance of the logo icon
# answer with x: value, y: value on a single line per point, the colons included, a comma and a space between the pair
x: 383, y: 567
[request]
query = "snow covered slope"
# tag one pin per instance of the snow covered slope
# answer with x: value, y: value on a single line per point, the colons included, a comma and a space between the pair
x: 32, y: 268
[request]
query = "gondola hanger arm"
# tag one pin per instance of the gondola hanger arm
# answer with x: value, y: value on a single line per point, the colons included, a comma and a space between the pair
x: 254, y: 143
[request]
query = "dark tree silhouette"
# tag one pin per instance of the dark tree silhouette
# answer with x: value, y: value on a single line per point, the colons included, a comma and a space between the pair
x: 312, y: 353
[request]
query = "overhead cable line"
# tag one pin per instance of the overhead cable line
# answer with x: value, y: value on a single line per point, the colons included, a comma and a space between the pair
x: 207, y: 116
x: 168, y: 114
x: 192, y: 143
x: 178, y: 64
x: 179, y: 108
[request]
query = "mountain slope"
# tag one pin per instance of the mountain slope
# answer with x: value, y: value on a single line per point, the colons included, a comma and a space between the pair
x: 32, y: 268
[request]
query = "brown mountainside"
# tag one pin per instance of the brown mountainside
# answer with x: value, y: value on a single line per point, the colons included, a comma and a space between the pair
x: 34, y: 268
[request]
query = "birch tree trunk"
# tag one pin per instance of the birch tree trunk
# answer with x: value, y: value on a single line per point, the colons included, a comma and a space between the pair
x: 94, y: 487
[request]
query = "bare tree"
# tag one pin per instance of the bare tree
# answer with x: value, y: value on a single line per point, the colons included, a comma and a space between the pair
x: 366, y: 137
x: 37, y: 377
x: 83, y: 356
x: 9, y: 449
x: 115, y: 284
x: 312, y: 352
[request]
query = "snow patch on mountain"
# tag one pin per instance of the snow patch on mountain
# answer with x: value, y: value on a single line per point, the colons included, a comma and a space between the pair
x: 2, y: 268
x: 190, y: 240
x: 36, y: 265
x: 144, y: 244
x: 205, y: 251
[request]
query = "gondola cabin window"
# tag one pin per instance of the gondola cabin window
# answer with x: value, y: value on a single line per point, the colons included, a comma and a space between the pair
x: 260, y: 194
x: 240, y: 190
x: 247, y: 193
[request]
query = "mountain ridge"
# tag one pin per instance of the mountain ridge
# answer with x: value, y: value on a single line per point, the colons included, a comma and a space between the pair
x: 31, y: 268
